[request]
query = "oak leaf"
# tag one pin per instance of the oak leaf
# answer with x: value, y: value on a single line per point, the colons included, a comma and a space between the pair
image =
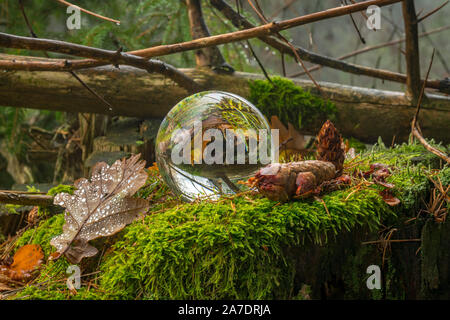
x: 291, y: 140
x: 100, y: 207
x: 389, y: 198
x: 25, y: 261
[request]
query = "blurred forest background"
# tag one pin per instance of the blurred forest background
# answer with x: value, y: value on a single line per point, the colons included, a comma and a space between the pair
x: 146, y: 23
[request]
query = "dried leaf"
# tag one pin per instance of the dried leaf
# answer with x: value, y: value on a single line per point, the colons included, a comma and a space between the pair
x: 33, y: 215
x: 389, y: 198
x: 380, y: 175
x: 25, y: 261
x: 298, y: 140
x: 291, y: 140
x: 100, y: 207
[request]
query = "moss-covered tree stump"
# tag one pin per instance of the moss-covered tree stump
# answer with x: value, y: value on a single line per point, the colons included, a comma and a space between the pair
x: 248, y: 247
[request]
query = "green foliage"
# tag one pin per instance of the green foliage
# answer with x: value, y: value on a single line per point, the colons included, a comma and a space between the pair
x: 11, y: 208
x: 356, y: 144
x: 289, y: 102
x: 43, y: 233
x: 10, y: 128
x: 60, y: 189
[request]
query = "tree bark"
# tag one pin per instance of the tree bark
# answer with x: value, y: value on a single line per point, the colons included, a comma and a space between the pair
x: 362, y: 113
x: 205, y: 57
x: 413, y: 85
x: 25, y: 198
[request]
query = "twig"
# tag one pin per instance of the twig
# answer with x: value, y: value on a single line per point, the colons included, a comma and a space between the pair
x: 371, y: 48
x: 422, y: 91
x: 283, y: 65
x: 33, y: 34
x: 89, y: 12
x: 91, y: 90
x: 103, y: 56
x: 344, y: 2
x: 259, y: 62
x: 257, y: 9
x: 30, y: 28
x: 442, y: 59
x: 432, y: 12
x: 430, y: 148
x: 391, y: 241
x: 415, y: 129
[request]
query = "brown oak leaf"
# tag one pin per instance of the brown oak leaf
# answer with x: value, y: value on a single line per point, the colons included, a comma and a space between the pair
x: 389, y: 198
x: 25, y: 261
x: 291, y: 140
x: 100, y: 207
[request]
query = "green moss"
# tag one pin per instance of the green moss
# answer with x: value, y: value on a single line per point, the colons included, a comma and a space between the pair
x: 235, y: 248
x: 11, y: 208
x: 61, y: 188
x: 43, y: 233
x: 210, y: 251
x: 289, y: 102
x: 356, y: 144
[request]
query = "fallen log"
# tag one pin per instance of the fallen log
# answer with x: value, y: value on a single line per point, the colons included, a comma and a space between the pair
x: 363, y: 113
x: 25, y: 198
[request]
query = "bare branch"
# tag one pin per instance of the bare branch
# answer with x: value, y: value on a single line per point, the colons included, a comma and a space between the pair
x: 432, y: 11
x: 240, y: 22
x: 299, y: 60
x: 415, y: 129
x: 261, y: 31
x: 89, y: 12
x: 374, y: 47
x: 105, y: 57
x: 34, y: 35
x: 25, y: 198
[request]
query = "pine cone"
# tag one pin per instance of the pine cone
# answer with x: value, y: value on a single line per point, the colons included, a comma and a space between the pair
x: 329, y: 146
x: 282, y: 181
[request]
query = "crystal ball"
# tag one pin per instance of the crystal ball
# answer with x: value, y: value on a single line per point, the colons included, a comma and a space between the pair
x: 210, y: 142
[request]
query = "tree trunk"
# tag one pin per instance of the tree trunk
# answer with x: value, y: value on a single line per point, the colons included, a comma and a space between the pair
x: 363, y: 113
x: 205, y: 57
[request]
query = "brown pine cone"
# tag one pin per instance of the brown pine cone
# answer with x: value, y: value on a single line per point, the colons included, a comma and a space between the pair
x: 329, y: 146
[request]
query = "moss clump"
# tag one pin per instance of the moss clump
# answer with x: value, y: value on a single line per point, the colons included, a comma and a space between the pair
x: 356, y: 144
x: 289, y: 102
x: 61, y: 188
x: 212, y: 251
x: 43, y: 233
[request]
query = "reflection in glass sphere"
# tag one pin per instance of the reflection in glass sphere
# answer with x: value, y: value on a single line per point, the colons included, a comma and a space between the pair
x: 209, y: 141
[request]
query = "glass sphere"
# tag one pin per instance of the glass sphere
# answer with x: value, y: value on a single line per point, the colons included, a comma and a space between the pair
x: 209, y: 142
